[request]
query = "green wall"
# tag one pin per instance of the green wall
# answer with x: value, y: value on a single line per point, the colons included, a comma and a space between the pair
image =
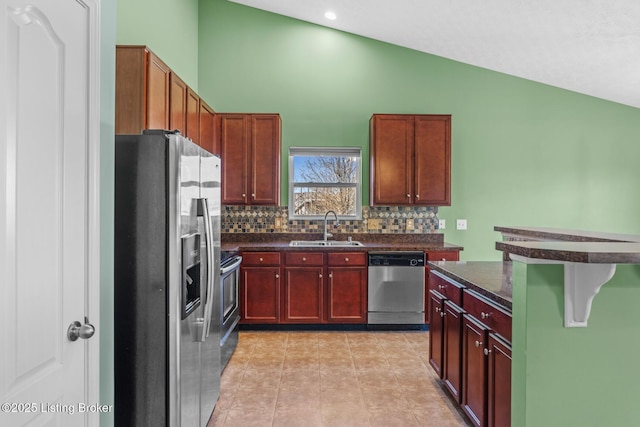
x: 523, y: 153
x: 574, y: 376
x: 168, y: 27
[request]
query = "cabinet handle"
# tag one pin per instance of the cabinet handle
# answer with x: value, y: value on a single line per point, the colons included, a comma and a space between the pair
x: 346, y: 260
x: 443, y: 259
x: 330, y: 275
x: 253, y: 195
x: 305, y: 260
x: 260, y: 260
x: 485, y: 315
x: 486, y: 351
x: 478, y: 343
x: 320, y: 276
x: 277, y: 276
x: 417, y: 196
x: 408, y: 195
x: 244, y: 195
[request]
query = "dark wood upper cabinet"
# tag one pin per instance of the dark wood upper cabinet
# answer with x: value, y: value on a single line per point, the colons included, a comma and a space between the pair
x: 177, y: 104
x: 142, y: 90
x: 250, y: 149
x: 410, y: 159
x: 193, y: 116
x: 208, y: 134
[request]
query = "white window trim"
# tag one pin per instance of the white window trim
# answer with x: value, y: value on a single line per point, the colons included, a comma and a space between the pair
x: 326, y: 151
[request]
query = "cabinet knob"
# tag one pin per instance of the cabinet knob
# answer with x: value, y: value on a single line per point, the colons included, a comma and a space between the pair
x: 277, y: 276
x: 437, y: 309
x: 320, y: 276
x: 346, y: 260
x: 443, y: 259
x: 486, y: 351
x: 443, y: 287
x: 478, y: 343
x: 260, y: 260
x: 244, y: 195
x: 408, y: 195
x: 417, y: 196
x: 253, y: 195
x: 304, y: 259
x: 485, y: 315
x: 330, y: 275
x: 442, y: 314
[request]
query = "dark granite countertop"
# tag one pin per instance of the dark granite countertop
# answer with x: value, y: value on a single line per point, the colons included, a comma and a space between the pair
x: 585, y: 252
x: 492, y: 279
x: 370, y: 242
x: 549, y: 234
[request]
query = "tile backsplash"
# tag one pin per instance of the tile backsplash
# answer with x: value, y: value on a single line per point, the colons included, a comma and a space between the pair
x: 375, y: 220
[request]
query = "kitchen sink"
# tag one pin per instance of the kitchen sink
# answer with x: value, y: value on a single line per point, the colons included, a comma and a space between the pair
x: 318, y: 243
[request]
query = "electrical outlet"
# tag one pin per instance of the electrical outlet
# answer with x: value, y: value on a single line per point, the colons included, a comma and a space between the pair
x: 461, y: 224
x: 442, y: 224
x: 408, y: 224
x: 278, y: 223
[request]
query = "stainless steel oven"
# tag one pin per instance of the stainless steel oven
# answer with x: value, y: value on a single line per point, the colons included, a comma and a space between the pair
x: 229, y: 305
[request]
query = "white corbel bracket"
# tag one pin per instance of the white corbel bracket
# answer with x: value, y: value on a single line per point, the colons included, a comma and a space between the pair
x: 582, y: 282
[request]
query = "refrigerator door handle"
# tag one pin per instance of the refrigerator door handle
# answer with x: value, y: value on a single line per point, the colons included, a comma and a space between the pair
x: 203, y: 211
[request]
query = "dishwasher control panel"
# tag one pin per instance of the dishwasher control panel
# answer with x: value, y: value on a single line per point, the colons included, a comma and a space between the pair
x: 396, y: 258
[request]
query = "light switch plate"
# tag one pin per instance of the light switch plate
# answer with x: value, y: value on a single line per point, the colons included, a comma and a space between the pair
x: 442, y: 224
x: 461, y: 224
x: 408, y: 224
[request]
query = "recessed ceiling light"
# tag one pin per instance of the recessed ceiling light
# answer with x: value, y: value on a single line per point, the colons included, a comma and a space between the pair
x: 330, y: 15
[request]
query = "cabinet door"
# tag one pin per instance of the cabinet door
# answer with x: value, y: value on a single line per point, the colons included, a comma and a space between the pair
x: 265, y: 159
x: 436, y: 335
x: 208, y: 139
x: 157, y: 93
x: 499, y: 387
x: 474, y: 370
x: 142, y: 90
x: 432, y: 182
x: 347, y: 295
x: 260, y: 294
x: 452, y: 348
x: 193, y: 116
x: 177, y: 104
x: 303, y: 295
x: 391, y: 159
x: 234, y: 146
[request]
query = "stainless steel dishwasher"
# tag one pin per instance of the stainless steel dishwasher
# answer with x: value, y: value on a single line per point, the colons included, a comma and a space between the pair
x: 396, y: 288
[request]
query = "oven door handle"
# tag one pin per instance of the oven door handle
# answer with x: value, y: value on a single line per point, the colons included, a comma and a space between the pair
x: 228, y: 268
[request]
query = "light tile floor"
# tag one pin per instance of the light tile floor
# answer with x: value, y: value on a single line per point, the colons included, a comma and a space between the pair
x: 340, y: 379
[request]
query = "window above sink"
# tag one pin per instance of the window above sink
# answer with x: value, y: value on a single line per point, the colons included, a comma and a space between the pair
x: 323, y: 179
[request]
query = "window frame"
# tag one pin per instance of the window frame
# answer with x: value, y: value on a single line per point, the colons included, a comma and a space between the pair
x: 326, y: 152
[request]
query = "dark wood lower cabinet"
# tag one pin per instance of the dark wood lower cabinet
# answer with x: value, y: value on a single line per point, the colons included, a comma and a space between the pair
x: 303, y: 295
x: 260, y: 294
x: 499, y: 387
x: 347, y: 295
x: 436, y: 333
x: 474, y: 370
x: 452, y: 374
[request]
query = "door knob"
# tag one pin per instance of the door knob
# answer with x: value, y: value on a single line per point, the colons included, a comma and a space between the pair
x: 77, y: 330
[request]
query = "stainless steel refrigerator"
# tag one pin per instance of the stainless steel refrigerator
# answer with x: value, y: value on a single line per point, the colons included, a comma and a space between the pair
x: 167, y: 290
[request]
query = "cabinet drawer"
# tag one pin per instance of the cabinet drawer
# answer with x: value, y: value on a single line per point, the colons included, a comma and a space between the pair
x: 488, y: 313
x: 304, y: 258
x: 337, y: 259
x: 448, y: 289
x: 443, y: 256
x: 261, y: 258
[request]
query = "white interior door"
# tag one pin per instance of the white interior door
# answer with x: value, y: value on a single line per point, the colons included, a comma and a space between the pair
x: 49, y: 256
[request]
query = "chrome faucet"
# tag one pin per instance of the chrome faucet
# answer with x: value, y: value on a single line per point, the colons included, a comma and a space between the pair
x: 326, y: 234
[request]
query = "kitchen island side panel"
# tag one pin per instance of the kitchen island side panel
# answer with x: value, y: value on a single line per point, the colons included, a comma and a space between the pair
x: 574, y: 376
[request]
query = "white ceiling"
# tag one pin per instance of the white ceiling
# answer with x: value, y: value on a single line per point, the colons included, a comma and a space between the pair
x: 587, y: 46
